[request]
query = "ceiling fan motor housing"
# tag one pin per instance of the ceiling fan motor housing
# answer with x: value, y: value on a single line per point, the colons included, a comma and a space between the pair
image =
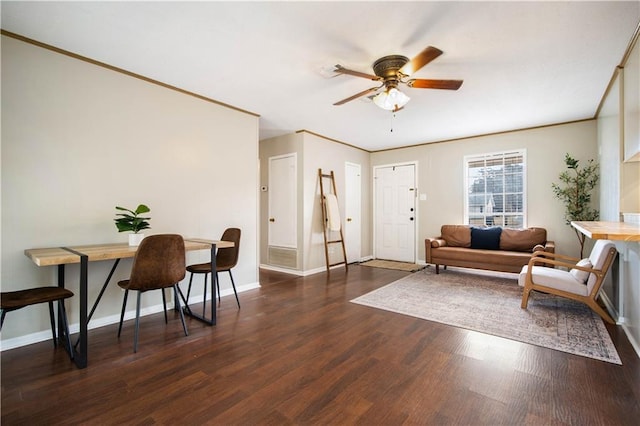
x: 387, y: 67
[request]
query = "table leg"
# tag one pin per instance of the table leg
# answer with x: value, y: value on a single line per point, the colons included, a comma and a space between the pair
x: 214, y: 285
x: 80, y: 354
x: 81, y: 357
x: 60, y: 325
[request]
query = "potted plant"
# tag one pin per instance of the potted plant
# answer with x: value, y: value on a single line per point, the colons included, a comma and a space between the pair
x: 576, y: 193
x: 131, y: 221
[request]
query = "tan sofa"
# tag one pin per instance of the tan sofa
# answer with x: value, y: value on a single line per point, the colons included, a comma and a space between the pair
x: 495, y: 249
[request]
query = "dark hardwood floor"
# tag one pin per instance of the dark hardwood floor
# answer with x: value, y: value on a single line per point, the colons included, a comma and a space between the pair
x: 298, y: 352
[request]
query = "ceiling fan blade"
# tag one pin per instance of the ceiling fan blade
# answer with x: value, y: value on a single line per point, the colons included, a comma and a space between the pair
x: 342, y: 70
x: 421, y: 83
x: 422, y: 59
x: 357, y: 95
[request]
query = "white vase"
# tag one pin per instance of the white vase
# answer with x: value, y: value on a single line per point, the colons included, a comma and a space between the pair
x: 135, y: 239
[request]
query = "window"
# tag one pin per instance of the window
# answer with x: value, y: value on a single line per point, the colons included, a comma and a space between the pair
x: 495, y: 189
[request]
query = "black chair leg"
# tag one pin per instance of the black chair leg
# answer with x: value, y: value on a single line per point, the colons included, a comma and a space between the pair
x: 184, y: 325
x: 189, y: 288
x: 124, y: 305
x: 234, y: 288
x: 53, y: 325
x: 184, y: 300
x: 164, y: 304
x: 204, y: 296
x: 135, y: 332
x: 65, y: 324
x: 218, y: 287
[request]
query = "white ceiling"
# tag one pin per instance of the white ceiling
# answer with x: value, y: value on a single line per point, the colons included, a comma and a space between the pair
x: 524, y: 64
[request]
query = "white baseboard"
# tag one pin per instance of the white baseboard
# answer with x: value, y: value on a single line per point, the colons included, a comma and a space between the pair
x: 307, y: 272
x: 621, y: 321
x: 632, y: 340
x: 41, y: 336
x: 297, y: 272
x: 610, y: 307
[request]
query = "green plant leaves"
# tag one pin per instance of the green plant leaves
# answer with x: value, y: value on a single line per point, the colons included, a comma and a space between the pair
x: 575, y: 192
x: 142, y: 209
x: 130, y: 221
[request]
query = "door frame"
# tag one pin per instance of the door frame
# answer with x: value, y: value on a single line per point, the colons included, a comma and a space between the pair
x: 416, y: 204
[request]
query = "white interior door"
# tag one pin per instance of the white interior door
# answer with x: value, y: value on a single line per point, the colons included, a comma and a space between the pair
x: 283, y: 201
x: 353, y: 223
x: 395, y: 205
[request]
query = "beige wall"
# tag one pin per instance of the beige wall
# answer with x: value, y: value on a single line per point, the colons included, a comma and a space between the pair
x: 630, y: 185
x: 314, y: 152
x: 281, y: 145
x: 441, y: 176
x: 620, y: 189
x: 320, y: 153
x: 79, y: 139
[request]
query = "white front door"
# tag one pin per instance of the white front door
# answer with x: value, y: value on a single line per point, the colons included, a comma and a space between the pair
x: 353, y: 224
x: 395, y: 205
x: 283, y: 201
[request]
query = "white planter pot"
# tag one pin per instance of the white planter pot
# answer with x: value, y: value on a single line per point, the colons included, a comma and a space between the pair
x: 135, y: 239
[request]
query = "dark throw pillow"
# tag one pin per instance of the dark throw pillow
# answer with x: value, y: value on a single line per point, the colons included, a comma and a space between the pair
x: 486, y: 238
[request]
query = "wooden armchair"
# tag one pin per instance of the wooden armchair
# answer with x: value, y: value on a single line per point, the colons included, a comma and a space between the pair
x: 581, y: 282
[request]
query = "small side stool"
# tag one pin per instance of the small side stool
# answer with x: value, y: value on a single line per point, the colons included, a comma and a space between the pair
x: 13, y: 300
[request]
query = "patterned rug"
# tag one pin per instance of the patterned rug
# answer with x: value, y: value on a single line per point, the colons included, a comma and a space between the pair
x: 392, y: 264
x: 490, y: 303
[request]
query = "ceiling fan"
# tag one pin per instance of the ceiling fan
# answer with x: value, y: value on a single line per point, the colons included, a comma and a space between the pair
x: 395, y: 69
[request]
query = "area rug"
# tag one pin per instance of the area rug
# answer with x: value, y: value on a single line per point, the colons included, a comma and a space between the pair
x: 392, y: 264
x: 491, y: 304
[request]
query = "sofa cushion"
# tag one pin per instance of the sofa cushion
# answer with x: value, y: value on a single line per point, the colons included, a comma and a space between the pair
x: 491, y: 259
x: 437, y: 242
x: 522, y: 239
x: 485, y: 238
x: 456, y: 235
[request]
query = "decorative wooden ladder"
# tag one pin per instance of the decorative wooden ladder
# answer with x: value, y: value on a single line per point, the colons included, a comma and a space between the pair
x: 325, y: 222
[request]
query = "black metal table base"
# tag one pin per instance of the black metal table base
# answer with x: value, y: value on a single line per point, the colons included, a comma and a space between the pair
x: 79, y: 355
x: 214, y: 285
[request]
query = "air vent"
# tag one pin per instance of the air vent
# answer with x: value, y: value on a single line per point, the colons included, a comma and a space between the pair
x: 285, y: 257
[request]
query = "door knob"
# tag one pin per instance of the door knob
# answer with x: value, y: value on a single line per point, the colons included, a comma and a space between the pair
x: 410, y: 218
x: 349, y: 219
x: 271, y: 219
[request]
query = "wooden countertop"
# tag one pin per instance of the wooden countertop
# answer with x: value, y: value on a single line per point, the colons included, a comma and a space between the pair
x: 616, y: 231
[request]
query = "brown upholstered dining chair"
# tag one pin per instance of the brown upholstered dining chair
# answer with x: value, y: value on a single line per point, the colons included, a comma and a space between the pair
x: 159, y: 263
x: 13, y: 300
x: 226, y: 258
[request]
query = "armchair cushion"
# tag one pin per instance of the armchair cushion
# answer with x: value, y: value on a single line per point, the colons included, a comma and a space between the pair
x: 554, y: 278
x: 579, y: 274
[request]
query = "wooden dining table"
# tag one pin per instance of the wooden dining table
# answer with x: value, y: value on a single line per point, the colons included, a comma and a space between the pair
x: 84, y: 254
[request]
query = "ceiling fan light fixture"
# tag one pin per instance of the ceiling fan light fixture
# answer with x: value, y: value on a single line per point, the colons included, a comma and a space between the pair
x: 391, y: 99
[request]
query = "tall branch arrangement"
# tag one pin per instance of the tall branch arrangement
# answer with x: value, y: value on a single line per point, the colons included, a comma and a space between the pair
x: 575, y: 192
